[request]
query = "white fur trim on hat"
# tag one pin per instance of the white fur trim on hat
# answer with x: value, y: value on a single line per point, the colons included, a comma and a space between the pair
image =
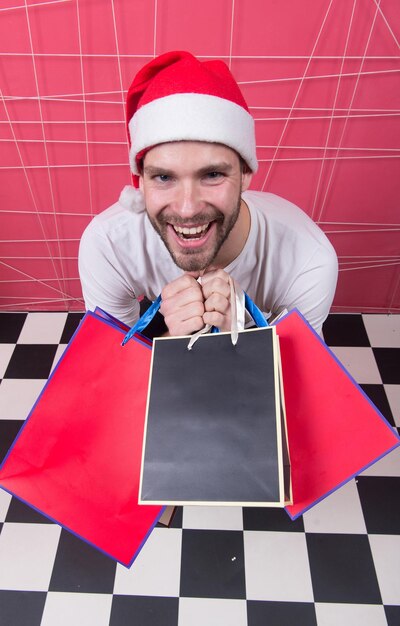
x: 132, y: 198
x: 193, y: 117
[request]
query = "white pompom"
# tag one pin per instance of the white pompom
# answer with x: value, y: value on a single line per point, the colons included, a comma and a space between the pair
x: 132, y: 198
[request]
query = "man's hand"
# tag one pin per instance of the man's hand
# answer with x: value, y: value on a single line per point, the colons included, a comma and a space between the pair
x: 216, y: 292
x: 183, y: 306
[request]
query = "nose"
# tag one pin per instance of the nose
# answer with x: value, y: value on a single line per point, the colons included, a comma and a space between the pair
x: 188, y: 199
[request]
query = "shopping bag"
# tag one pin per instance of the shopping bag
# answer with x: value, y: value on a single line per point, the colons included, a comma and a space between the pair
x: 335, y: 431
x: 215, y: 429
x: 77, y: 457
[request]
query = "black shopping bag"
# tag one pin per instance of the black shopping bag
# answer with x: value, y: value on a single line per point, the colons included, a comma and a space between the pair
x: 215, y: 429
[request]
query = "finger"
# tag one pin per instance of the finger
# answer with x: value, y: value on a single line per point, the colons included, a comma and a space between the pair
x: 185, y: 321
x: 219, y: 320
x: 211, y: 275
x: 175, y: 313
x: 179, y: 284
x: 216, y: 286
x: 181, y: 300
x: 189, y: 327
x: 217, y: 302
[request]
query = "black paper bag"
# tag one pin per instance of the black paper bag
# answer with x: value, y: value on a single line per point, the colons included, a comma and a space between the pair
x: 215, y: 430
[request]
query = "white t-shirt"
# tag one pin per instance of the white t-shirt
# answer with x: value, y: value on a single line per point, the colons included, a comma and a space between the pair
x: 287, y: 261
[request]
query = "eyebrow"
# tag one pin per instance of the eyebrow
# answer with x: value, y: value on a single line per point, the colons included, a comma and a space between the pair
x: 222, y: 166
x: 152, y: 170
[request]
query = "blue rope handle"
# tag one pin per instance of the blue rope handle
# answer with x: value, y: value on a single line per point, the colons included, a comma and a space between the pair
x: 255, y: 312
x: 146, y: 318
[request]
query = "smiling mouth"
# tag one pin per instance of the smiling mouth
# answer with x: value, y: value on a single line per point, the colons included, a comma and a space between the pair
x: 191, y: 232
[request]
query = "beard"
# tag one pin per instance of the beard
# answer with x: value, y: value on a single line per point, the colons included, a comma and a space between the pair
x: 192, y: 259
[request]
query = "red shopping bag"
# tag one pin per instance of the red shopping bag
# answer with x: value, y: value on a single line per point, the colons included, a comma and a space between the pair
x: 77, y: 457
x: 334, y: 430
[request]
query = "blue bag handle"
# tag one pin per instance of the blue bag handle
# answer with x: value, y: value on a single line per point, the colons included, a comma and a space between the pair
x: 255, y: 312
x: 146, y: 318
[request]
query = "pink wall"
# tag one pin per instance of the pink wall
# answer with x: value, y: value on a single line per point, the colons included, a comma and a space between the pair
x: 321, y: 78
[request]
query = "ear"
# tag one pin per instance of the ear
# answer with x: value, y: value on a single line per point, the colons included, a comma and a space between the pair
x: 246, y: 180
x: 141, y: 183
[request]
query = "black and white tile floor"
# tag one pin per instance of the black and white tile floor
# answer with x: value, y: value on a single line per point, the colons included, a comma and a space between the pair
x: 338, y: 565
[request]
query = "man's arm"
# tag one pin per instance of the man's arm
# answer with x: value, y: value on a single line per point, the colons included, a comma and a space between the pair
x: 102, y: 284
x: 314, y: 288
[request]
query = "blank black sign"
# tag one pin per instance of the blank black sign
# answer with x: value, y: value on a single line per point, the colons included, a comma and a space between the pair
x: 213, y: 422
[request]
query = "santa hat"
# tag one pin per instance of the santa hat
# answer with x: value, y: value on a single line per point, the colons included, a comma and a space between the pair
x: 176, y: 97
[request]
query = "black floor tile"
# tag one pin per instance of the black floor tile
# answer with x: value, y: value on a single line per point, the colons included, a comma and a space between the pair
x: 21, y: 608
x: 345, y: 330
x: 177, y: 519
x: 70, y: 327
x: 10, y: 326
x: 388, y: 361
x: 259, y: 518
x: 79, y: 567
x: 342, y: 569
x: 380, y: 501
x: 392, y: 615
x: 31, y: 361
x: 144, y: 611
x: 9, y: 429
x: 212, y: 564
x: 376, y: 393
x: 280, y: 613
x: 20, y: 512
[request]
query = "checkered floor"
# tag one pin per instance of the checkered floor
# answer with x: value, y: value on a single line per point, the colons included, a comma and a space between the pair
x: 338, y: 565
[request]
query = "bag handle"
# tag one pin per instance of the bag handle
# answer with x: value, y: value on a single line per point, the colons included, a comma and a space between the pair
x: 255, y: 312
x: 146, y: 318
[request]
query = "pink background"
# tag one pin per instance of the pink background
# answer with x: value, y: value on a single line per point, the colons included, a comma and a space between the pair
x: 321, y: 78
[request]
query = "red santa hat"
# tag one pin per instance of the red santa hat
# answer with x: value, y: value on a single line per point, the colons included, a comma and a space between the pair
x: 176, y: 97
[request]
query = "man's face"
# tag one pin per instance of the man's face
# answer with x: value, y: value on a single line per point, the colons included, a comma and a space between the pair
x: 192, y: 193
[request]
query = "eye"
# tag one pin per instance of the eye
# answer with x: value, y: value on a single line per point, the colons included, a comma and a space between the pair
x: 214, y: 176
x: 162, y: 178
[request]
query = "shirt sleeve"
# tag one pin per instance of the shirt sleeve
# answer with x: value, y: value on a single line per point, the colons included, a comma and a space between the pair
x: 102, y: 282
x: 314, y: 288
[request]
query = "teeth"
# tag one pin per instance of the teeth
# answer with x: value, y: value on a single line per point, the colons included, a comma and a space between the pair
x: 191, y: 231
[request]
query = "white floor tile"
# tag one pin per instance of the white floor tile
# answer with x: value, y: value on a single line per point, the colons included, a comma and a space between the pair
x: 340, y: 512
x: 210, y: 612
x: 27, y: 553
x: 83, y: 609
x: 5, y: 499
x: 17, y: 397
x: 277, y: 567
x: 6, y: 350
x: 58, y: 355
x: 350, y: 614
x: 43, y: 328
x: 383, y: 330
x: 393, y: 396
x: 360, y: 363
x: 213, y: 517
x: 156, y: 571
x: 388, y: 466
x: 386, y: 554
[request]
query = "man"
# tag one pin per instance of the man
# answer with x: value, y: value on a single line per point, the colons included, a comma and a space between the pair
x: 190, y: 214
